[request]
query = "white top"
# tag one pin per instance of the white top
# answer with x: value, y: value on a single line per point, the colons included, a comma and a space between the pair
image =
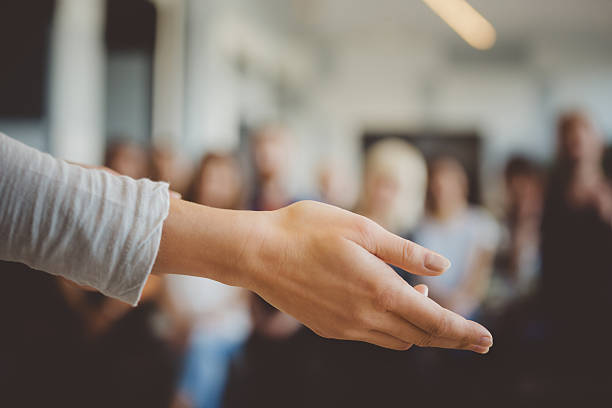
x: 86, y: 225
x: 214, y: 307
x: 459, y: 239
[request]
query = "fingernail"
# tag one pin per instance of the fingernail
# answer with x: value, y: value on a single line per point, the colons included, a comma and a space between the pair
x: 436, y: 263
x: 174, y: 194
x: 479, y: 349
x: 485, y: 341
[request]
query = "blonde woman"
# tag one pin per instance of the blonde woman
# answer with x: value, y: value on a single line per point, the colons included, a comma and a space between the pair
x: 394, y: 185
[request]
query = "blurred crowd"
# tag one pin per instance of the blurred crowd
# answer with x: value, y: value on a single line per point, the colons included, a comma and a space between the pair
x: 536, y: 270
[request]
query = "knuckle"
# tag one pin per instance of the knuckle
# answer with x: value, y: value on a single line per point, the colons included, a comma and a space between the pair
x: 466, y: 338
x: 365, y: 231
x: 408, y: 252
x: 362, y: 318
x: 386, y: 299
x: 426, y: 340
x: 440, y: 325
x: 364, y: 225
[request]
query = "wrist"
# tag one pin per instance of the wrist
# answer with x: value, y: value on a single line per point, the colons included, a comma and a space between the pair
x: 240, y: 254
x: 223, y: 245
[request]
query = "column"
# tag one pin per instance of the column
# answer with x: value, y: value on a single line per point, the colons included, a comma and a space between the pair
x: 76, y: 105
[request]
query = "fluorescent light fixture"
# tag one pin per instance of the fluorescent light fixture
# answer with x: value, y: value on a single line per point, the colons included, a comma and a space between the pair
x: 466, y: 21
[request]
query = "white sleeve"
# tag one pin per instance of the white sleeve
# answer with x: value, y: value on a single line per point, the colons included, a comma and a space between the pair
x: 86, y: 225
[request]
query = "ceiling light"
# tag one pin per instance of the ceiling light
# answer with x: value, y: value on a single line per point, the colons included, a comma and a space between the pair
x: 466, y: 21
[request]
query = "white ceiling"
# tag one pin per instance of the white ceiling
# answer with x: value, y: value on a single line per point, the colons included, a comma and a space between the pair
x: 513, y: 19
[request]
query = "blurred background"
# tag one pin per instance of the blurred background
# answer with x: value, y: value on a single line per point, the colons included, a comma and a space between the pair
x: 495, y: 155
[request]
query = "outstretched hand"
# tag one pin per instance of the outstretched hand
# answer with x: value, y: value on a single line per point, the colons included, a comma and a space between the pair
x: 328, y: 268
x: 325, y: 266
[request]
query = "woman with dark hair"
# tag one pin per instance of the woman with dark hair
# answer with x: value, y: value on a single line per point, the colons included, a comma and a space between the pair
x: 518, y: 263
x: 467, y: 233
x: 217, y: 182
x: 127, y: 158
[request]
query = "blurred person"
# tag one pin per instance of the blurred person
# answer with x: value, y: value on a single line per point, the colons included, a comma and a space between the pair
x: 217, y: 182
x: 517, y: 266
x: 170, y: 166
x: 217, y: 313
x: 270, y: 153
x: 536, y: 334
x: 576, y: 228
x: 262, y: 366
x: 393, y: 188
x: 607, y: 163
x: 467, y: 233
x: 335, y: 186
x: 127, y: 158
x: 394, y: 184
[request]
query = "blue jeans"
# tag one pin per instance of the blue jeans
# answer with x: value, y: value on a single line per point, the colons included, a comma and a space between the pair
x: 206, y: 368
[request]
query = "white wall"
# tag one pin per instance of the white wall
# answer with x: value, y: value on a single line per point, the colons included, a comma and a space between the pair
x: 346, y: 83
x: 29, y: 131
x: 381, y: 80
x: 393, y: 82
x: 219, y: 94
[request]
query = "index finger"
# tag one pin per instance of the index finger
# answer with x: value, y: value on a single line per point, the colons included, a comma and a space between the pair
x: 435, y: 320
x: 406, y: 254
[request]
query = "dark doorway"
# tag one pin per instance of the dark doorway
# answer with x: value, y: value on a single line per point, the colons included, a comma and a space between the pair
x: 130, y: 42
